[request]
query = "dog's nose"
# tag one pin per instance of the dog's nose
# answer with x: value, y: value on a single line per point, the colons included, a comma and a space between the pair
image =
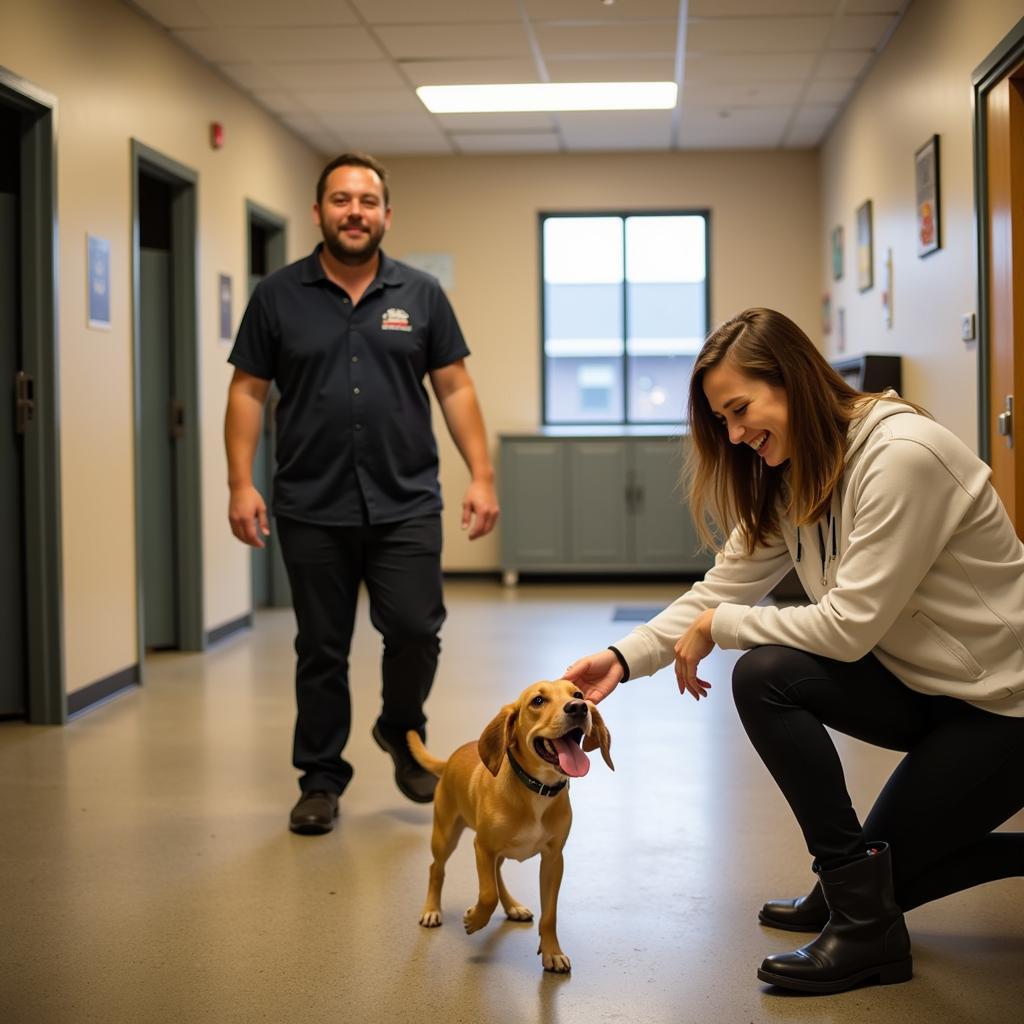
x: 575, y: 707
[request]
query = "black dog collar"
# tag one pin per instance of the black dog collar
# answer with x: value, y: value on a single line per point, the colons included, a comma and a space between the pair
x: 534, y: 784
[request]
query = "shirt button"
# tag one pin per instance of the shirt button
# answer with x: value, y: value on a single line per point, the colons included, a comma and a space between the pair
x: 359, y: 426
x: 355, y: 359
x: 345, y: 301
x: 355, y: 391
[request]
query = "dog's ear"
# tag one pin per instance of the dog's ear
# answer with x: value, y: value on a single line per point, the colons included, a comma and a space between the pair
x: 598, y: 737
x: 497, y: 737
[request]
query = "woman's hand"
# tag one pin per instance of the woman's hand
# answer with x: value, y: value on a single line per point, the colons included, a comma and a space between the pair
x: 596, y: 675
x: 691, y: 649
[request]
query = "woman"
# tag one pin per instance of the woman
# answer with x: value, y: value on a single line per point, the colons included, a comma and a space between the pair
x: 913, y: 639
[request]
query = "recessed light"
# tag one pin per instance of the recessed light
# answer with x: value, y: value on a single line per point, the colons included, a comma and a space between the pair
x: 476, y: 99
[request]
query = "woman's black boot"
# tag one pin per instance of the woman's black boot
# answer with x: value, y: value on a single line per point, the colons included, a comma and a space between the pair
x: 807, y: 914
x: 865, y: 938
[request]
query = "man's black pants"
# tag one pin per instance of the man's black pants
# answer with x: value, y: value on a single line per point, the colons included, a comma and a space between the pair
x: 962, y: 777
x: 400, y: 564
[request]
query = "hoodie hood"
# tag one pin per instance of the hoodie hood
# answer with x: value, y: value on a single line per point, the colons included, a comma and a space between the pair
x: 874, y: 411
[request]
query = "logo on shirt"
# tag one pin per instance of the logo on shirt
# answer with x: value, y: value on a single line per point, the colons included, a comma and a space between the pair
x: 395, y: 320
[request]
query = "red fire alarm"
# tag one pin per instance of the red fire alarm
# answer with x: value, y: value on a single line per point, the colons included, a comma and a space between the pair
x: 216, y: 134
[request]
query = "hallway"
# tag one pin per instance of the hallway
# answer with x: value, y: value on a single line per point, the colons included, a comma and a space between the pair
x: 148, y: 874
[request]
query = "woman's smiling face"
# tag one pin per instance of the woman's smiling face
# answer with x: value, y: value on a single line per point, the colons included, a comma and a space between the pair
x: 752, y: 411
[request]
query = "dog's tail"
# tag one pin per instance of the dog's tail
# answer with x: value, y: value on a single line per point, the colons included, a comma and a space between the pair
x: 423, y: 758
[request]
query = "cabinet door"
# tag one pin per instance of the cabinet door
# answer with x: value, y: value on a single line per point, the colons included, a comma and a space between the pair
x: 533, y: 503
x: 664, y: 535
x: 598, y: 530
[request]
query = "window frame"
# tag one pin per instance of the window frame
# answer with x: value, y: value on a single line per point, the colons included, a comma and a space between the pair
x: 625, y: 423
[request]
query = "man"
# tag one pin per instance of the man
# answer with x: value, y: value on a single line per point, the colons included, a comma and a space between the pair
x: 348, y: 335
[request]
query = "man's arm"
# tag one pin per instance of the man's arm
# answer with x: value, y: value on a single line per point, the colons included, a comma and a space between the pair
x: 457, y: 397
x: 247, y: 512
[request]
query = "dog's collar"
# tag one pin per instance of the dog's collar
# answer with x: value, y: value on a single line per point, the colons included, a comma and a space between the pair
x: 534, y: 784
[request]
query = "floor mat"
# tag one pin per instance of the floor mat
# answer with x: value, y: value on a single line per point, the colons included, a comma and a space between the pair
x: 637, y: 613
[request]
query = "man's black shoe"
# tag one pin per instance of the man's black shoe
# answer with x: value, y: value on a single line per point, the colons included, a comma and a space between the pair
x: 414, y: 782
x: 314, y: 814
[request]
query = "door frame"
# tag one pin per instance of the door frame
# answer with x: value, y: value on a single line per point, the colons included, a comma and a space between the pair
x: 992, y: 70
x: 183, y: 181
x: 44, y: 560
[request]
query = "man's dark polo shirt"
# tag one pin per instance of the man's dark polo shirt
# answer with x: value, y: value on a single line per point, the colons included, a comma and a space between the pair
x: 353, y: 421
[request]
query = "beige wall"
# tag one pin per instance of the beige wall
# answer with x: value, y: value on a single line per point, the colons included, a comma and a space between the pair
x: 765, y: 240
x: 920, y: 85
x: 116, y: 76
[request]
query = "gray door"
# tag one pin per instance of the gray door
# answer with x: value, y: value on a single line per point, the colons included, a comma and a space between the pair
x: 13, y: 682
x: 159, y: 526
x: 597, y: 476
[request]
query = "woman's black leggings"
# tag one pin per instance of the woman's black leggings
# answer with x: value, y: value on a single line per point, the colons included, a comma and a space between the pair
x: 962, y: 777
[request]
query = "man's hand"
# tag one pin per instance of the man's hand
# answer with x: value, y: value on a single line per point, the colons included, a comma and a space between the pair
x: 691, y: 649
x: 247, y: 513
x: 596, y: 675
x: 479, y: 509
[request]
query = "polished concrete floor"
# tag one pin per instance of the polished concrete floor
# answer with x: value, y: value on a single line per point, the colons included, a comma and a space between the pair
x: 147, y: 874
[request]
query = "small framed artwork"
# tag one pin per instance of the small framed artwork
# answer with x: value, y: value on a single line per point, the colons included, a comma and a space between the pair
x: 224, y: 306
x: 97, y: 273
x: 887, y: 289
x: 865, y: 247
x: 826, y: 314
x: 926, y: 169
x: 837, y: 253
x: 840, y: 330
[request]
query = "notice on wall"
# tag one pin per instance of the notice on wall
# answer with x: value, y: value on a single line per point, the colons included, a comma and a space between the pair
x: 97, y: 258
x: 224, y: 305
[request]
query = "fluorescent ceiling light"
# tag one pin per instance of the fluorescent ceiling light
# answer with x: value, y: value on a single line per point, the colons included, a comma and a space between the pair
x: 475, y: 99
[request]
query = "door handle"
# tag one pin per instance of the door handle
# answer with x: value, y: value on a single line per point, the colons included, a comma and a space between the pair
x: 1004, y: 422
x: 176, y: 419
x: 24, y: 402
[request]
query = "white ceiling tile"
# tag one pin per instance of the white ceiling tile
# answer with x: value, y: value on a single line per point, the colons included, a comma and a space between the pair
x: 252, y: 76
x: 768, y: 67
x: 297, y: 45
x: 753, y: 128
x: 594, y: 10
x: 406, y: 144
x: 470, y: 72
x: 214, y: 45
x: 513, y: 122
x: 371, y: 101
x: 843, y: 64
x: 757, y: 35
x: 294, y: 13
x: 637, y: 129
x: 747, y: 94
x: 818, y: 116
x: 635, y: 69
x: 805, y: 138
x: 467, y: 41
x: 173, y: 13
x: 755, y: 8
x: 279, y: 102
x: 607, y: 40
x: 860, y: 32
x: 507, y: 142
x: 416, y: 12
x: 337, y: 75
x: 303, y: 123
x: 832, y: 91
x: 377, y: 124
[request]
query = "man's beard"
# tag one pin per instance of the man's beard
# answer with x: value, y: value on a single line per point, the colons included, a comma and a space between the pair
x: 351, y: 258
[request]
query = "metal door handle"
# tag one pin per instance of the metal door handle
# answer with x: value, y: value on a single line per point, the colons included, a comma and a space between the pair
x: 24, y: 403
x: 1004, y: 422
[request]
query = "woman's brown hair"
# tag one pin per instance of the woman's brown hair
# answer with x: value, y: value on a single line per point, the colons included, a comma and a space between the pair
x: 729, y: 485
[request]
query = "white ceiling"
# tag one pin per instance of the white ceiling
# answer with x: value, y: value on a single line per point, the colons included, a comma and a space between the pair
x: 342, y: 73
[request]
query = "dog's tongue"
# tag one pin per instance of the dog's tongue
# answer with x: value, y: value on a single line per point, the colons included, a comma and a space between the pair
x: 571, y: 758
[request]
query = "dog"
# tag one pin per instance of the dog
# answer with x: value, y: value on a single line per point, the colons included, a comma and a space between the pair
x: 511, y: 788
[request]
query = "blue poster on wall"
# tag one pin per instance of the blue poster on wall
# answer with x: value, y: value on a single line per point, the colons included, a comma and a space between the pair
x: 98, y: 276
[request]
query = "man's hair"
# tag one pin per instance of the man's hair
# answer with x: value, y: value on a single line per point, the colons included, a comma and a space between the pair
x: 353, y: 160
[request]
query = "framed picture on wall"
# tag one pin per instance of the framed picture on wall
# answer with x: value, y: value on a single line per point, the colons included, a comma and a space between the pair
x: 926, y: 169
x: 865, y: 248
x: 837, y: 253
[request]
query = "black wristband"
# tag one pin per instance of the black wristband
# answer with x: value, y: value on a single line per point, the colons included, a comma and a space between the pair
x: 622, y: 662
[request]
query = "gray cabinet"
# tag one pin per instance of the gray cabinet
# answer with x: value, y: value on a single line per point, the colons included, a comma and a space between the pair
x: 605, y: 503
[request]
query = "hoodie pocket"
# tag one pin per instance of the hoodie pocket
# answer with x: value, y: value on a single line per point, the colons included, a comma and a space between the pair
x: 950, y: 644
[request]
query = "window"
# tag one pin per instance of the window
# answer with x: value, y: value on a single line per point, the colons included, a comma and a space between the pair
x: 625, y: 311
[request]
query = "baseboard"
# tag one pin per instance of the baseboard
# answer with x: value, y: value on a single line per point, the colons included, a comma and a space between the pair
x: 228, y: 628
x: 91, y: 696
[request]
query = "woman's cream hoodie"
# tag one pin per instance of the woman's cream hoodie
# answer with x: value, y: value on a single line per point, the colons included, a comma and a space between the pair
x: 917, y: 563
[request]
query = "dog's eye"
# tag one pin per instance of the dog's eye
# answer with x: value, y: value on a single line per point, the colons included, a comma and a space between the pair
x: 577, y: 695
x: 537, y: 701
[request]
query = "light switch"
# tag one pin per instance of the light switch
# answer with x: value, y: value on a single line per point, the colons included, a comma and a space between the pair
x: 967, y: 329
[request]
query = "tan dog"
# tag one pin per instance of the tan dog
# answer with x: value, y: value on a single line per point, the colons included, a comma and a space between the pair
x: 511, y: 788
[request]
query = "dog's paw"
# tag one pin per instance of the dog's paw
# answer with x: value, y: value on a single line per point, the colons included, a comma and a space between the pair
x: 518, y: 913
x: 474, y: 919
x: 431, y: 919
x: 557, y: 963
